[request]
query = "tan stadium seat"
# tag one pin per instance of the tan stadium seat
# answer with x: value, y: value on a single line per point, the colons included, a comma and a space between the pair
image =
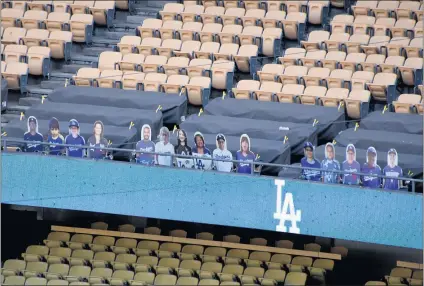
x: 82, y: 27
x: 169, y: 249
x: 60, y: 43
x: 315, y: 76
x: 230, y: 4
x: 198, y: 67
x: 86, y: 76
x: 395, y: 46
x: 251, y: 4
x: 252, y: 16
x: 244, y: 55
x: 402, y: 27
x: 128, y: 44
x: 417, y: 274
x: 273, y: 19
x: 43, y: 5
x: 131, y: 80
x: 294, y: 6
x: 213, y: 254
x: 167, y: 265
x: 334, y: 43
x: 363, y: 25
x: 36, y: 281
x: 124, y: 261
x: 229, y: 33
x: 226, y: 52
x: 379, y: 88
x: 15, y: 53
x: 250, y: 35
x: 120, y: 277
x: 145, y: 263
x: 267, y: 91
x: 10, y: 17
x: 211, y: 13
x: 152, y: 230
x: 385, y: 8
x: 230, y: 272
x: 57, y: 271
x: 406, y: 102
x: 131, y: 62
x: 14, y: 280
x: 109, y: 79
x: 273, y: 277
x: 310, y: 96
x: 375, y: 283
x: 103, y: 259
x: 168, y: 46
x: 59, y: 255
x: 101, y: 242
x: 419, y: 30
x: 355, y: 42
x: 207, y: 49
x: 170, y: 11
x: 187, y: 281
x: 152, y: 81
x: 16, y: 75
x: 149, y: 28
x: 20, y: 5
x: 372, y: 62
x: 382, y: 26
x: 406, y: 8
x: 352, y: 60
x: 58, y: 21
x: 63, y: 6
x: 144, y: 277
x: 208, y: 282
x: 188, y: 48
x: 290, y: 93
x: 81, y: 256
x: 176, y: 65
x: 284, y: 244
x: 100, y: 275
x: 192, y: 12
x: 108, y: 60
x: 149, y: 45
x: 169, y: 28
x: 340, y: 23
x: 343, y: 251
x: 189, y: 31
x: 231, y: 15
x: 152, y: 63
x: 209, y: 3
x: 209, y: 32
x: 415, y: 48
x: 236, y: 256
x: 77, y: 272
x: 397, y: 275
x: 13, y: 267
x: 363, y: 7
x: 35, y: 268
x: 291, y: 24
x: 39, y: 60
x: 269, y: 38
x: 57, y: 239
x: 165, y: 280
x: 339, y: 78
x: 409, y: 70
x: 204, y: 236
x: 190, y: 252
x: 332, y: 98
x: 245, y: 89
x: 175, y: 83
x: 312, y: 58
x: 292, y: 74
x: 103, y: 12
x: 221, y: 70
x: 316, y: 11
x: 360, y: 79
x: 251, y: 275
x: 332, y: 59
x: 279, y: 260
x: 291, y: 56
x: 81, y: 7
x: 270, y: 72
x: 258, y: 258
x: 13, y: 35
x: 34, y: 19
x: 35, y: 37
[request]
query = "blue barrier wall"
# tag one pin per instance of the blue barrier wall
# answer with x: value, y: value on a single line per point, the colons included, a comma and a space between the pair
x: 376, y: 216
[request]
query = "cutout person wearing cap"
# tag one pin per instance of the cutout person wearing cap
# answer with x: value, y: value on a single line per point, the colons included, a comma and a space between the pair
x: 309, y: 161
x: 54, y: 137
x: 371, y: 167
x: 222, y: 153
x: 351, y: 167
x: 74, y: 138
x: 33, y: 135
x: 392, y: 170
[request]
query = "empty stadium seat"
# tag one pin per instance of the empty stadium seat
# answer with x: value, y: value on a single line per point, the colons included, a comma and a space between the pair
x: 15, y: 53
x: 315, y: 76
x: 168, y: 46
x: 294, y: 25
x: 267, y: 90
x: 63, y: 6
x: 245, y: 89
x: 60, y: 44
x: 310, y: 96
x: 34, y: 19
x: 39, y: 60
x: 403, y: 27
x: 13, y: 35
x: 270, y: 72
x: 291, y: 56
x: 192, y: 12
x: 332, y: 59
x: 315, y: 40
x: 57, y: 271
x: 21, y: 5
x: 82, y: 27
x: 43, y: 5
x: 165, y: 279
x: 16, y: 75
x: 149, y: 45
x: 188, y: 48
x: 246, y: 57
x: 110, y: 79
x: 189, y: 31
x: 312, y: 58
x: 152, y: 230
x: 153, y: 80
x: 335, y: 42
x: 211, y: 13
x: 199, y: 67
x: 103, y: 12
x: 11, y: 17
x: 131, y: 62
x: 35, y: 37
x: 209, y: 32
x: 170, y: 11
x: 108, y: 60
x: 229, y: 32
x: 175, y: 83
x: 355, y: 42
x: 273, y: 19
x: 352, y: 60
x: 128, y: 44
x: 86, y: 76
x: 58, y: 21
x: 292, y: 74
x: 35, y: 253
x: 412, y: 71
x: 406, y: 103
x: 222, y: 73
x: 149, y: 28
x: 169, y: 28
x: 290, y: 93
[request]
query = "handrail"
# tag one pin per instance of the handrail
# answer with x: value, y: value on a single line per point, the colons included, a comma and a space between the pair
x: 411, y: 265
x: 202, y: 242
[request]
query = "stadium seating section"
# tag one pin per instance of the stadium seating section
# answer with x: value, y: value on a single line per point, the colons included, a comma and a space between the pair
x: 406, y: 273
x: 97, y: 256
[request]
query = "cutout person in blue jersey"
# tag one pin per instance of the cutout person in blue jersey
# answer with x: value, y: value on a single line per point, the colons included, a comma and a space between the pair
x: 33, y: 135
x: 146, y: 145
x: 331, y: 164
x: 202, y: 152
x: 55, y: 137
x: 371, y: 167
x: 309, y: 161
x: 351, y: 167
x: 97, y: 140
x: 244, y: 155
x: 392, y: 170
x: 74, y: 138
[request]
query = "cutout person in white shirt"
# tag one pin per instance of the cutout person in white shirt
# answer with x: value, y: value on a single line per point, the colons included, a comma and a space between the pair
x: 164, y: 147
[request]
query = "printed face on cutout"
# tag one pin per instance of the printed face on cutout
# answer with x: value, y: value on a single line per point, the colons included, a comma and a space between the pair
x: 309, y: 153
x: 199, y: 142
x: 221, y: 144
x: 146, y: 133
x: 392, y: 159
x: 181, y: 136
x: 371, y: 158
x: 98, y: 129
x: 74, y: 131
x: 330, y: 152
x: 245, y: 146
x: 54, y: 132
x: 350, y: 156
x: 165, y: 137
x: 32, y: 126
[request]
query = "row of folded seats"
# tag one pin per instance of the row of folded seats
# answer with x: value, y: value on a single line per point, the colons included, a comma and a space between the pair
x: 266, y: 4
x: 381, y: 9
x: 369, y: 25
x: 400, y: 276
x: 56, y: 14
x: 250, y: 14
x: 79, y: 25
x: 37, y: 58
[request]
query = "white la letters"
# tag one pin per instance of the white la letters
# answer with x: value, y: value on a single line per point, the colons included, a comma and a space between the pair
x: 287, y: 212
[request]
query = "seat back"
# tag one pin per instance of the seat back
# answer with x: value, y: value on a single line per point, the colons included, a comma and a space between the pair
x: 79, y: 23
x: 108, y: 60
x: 57, y: 42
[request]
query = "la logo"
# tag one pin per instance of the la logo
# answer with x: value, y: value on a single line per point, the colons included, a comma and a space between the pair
x: 287, y: 211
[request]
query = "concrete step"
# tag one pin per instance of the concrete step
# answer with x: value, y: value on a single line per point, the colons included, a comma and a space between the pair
x: 16, y: 108
x: 29, y: 101
x: 37, y: 91
x: 95, y: 51
x: 136, y: 19
x: 54, y: 83
x: 7, y: 117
